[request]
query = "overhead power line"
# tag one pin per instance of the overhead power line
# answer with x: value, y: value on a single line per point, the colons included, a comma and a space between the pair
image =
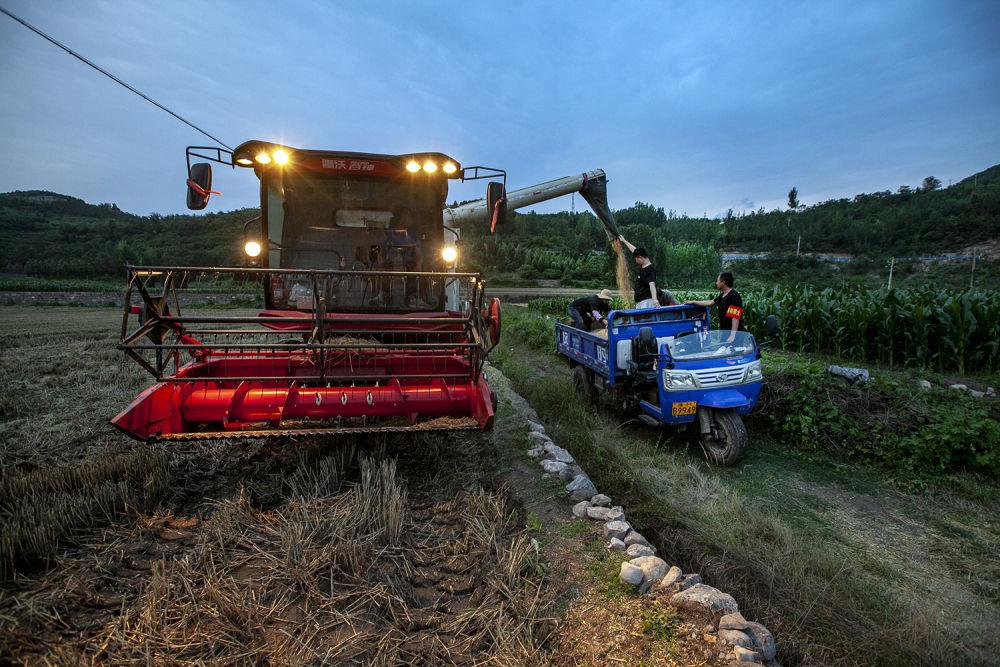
x: 111, y: 76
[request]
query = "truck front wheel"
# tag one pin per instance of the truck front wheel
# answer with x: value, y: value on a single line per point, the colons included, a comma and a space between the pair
x: 585, y: 389
x: 727, y: 439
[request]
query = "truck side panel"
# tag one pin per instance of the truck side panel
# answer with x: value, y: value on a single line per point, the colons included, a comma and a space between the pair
x: 582, y: 347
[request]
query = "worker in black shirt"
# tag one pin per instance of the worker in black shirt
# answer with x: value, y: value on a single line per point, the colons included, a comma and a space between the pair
x: 645, y: 281
x: 589, y: 309
x: 730, y: 305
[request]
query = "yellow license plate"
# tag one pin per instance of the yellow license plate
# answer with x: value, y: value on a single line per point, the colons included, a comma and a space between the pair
x: 685, y: 408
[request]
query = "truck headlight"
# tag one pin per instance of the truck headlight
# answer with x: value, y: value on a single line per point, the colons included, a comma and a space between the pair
x: 449, y: 253
x: 677, y: 381
x: 754, y: 372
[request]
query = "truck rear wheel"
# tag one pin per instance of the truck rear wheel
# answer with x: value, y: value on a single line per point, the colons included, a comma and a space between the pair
x: 725, y: 444
x: 585, y: 389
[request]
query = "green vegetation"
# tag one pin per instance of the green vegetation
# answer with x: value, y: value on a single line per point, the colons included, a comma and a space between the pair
x: 46, y: 235
x: 876, y: 564
x: 918, y: 438
x: 915, y: 436
x: 925, y: 328
x: 54, y: 236
x: 943, y: 330
x: 874, y: 227
x: 660, y: 623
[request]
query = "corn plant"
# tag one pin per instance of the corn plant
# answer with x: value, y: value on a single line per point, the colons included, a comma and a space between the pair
x: 926, y: 328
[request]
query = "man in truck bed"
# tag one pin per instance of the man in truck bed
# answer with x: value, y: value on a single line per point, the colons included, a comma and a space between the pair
x: 591, y: 308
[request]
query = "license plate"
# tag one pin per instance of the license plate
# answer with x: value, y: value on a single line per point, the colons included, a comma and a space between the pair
x: 685, y: 408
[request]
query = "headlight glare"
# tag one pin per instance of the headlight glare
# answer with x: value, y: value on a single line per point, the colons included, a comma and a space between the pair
x: 449, y: 253
x: 252, y: 249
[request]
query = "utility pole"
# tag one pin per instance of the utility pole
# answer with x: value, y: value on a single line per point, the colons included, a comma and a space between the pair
x: 892, y: 264
x: 798, y: 245
x: 972, y: 276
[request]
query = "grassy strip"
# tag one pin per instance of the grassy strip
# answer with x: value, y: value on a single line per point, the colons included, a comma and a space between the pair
x: 800, y: 561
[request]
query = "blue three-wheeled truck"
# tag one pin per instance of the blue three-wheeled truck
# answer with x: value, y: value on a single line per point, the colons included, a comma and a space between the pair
x: 665, y: 364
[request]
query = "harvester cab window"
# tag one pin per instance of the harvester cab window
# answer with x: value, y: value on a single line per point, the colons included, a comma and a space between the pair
x: 363, y: 219
x: 357, y: 223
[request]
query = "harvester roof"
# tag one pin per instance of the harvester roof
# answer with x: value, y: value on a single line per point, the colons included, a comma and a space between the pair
x: 261, y: 155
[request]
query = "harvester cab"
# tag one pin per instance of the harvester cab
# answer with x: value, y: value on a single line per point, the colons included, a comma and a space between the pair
x: 367, y: 325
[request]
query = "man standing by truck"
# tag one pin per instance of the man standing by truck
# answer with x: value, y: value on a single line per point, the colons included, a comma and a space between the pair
x: 589, y: 309
x: 730, y: 305
x: 645, y: 283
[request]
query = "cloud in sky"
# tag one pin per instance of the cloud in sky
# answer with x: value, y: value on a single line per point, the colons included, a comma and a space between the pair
x: 695, y: 107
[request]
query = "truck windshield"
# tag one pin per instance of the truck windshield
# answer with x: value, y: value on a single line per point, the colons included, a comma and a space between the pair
x: 710, y: 345
x: 355, y: 223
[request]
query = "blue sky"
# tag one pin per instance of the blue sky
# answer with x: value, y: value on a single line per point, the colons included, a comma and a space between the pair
x: 696, y: 107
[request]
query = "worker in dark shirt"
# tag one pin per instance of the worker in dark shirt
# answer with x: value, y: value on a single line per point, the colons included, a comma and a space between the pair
x: 645, y: 281
x: 589, y: 309
x: 730, y: 305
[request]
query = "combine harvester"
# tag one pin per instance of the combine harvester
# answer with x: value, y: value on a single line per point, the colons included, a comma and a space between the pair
x: 368, y: 326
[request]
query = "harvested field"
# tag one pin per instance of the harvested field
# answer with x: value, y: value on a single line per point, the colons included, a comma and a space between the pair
x: 426, y: 549
x: 361, y: 576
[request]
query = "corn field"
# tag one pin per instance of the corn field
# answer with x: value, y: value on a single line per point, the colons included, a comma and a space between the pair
x: 943, y: 330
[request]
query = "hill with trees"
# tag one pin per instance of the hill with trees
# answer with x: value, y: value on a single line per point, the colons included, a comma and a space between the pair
x: 50, y: 235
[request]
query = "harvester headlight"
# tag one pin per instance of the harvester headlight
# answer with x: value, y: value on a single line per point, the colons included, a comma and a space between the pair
x: 252, y: 249
x: 280, y: 156
x: 245, y: 161
x: 430, y: 167
x: 412, y: 166
x: 449, y: 168
x: 262, y: 158
x: 449, y: 253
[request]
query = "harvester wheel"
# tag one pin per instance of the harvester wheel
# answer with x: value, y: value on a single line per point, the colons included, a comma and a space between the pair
x: 585, y: 389
x: 725, y: 444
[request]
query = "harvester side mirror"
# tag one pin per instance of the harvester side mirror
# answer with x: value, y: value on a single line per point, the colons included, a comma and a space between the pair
x: 199, y: 186
x: 496, y: 203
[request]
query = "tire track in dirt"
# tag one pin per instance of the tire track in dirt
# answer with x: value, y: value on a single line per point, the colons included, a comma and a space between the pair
x: 447, y: 573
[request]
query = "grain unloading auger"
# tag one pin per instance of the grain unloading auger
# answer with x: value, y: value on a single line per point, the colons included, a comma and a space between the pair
x: 367, y: 326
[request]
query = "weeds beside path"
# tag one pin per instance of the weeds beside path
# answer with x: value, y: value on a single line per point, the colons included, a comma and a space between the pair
x: 841, y: 566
